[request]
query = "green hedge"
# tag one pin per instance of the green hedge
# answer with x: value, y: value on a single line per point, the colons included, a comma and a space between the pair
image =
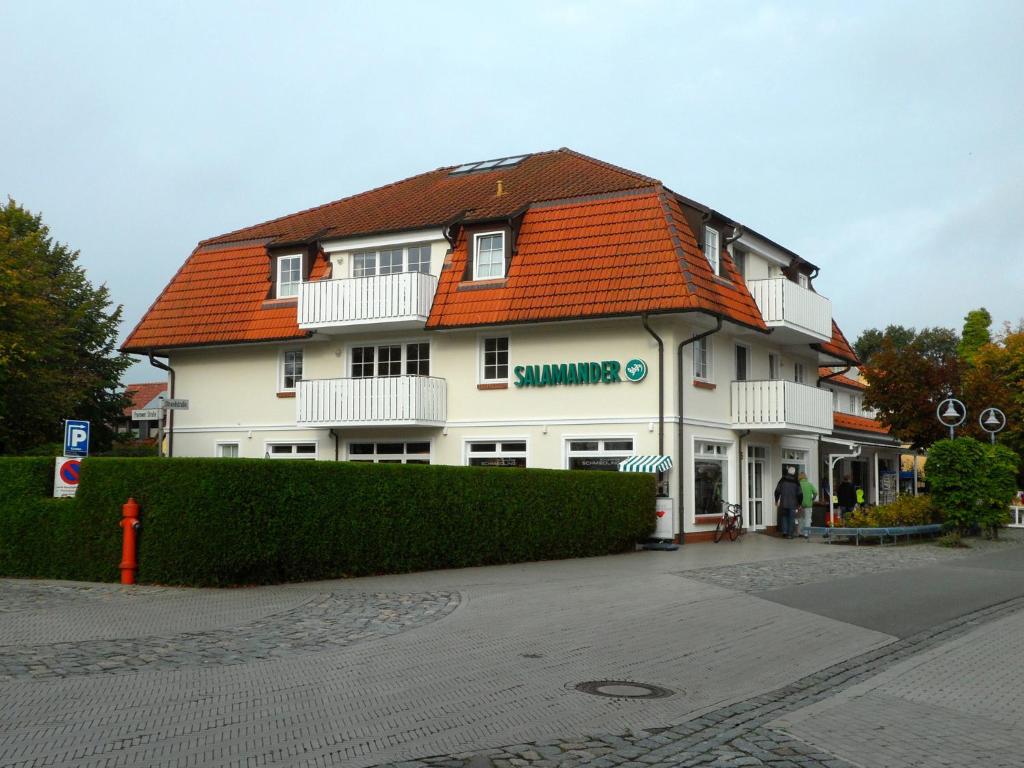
x: 251, y: 521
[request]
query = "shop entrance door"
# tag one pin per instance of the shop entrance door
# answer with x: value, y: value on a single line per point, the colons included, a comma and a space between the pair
x: 757, y: 463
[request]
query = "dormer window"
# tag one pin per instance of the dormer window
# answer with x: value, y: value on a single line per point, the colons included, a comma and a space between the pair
x: 289, y: 275
x: 488, y: 255
x: 712, y: 250
x: 803, y: 280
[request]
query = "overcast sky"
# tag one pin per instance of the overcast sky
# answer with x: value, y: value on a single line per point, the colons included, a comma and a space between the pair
x: 881, y: 141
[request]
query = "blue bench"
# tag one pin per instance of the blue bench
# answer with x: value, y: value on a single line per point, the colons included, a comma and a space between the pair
x: 835, y: 534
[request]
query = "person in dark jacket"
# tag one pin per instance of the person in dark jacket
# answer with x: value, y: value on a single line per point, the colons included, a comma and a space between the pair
x: 788, y: 496
x: 846, y: 494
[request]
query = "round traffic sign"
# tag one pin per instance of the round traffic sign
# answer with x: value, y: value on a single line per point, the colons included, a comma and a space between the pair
x: 70, y: 470
x: 992, y: 420
x: 951, y: 412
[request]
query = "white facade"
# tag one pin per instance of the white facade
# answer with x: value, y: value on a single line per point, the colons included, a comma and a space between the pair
x: 372, y: 384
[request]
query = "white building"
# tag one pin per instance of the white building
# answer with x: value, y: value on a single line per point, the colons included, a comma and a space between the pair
x: 548, y: 310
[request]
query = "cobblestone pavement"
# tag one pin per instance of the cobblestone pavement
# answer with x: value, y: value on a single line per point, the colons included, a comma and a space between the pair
x: 840, y: 560
x: 749, y: 733
x: 321, y: 623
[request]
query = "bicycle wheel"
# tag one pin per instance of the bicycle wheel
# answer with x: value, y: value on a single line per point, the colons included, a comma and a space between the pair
x: 735, y: 529
x: 719, y: 531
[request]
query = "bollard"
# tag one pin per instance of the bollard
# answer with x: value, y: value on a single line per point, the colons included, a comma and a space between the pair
x: 130, y: 525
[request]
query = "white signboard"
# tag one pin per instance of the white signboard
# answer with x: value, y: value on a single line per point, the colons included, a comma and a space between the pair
x: 176, y: 404
x: 147, y: 414
x: 65, y: 476
x: 664, y: 510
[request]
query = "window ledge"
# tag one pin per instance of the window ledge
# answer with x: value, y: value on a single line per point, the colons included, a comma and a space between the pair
x: 480, y: 285
x: 271, y: 303
x: 286, y: 394
x: 493, y: 385
x: 704, y: 384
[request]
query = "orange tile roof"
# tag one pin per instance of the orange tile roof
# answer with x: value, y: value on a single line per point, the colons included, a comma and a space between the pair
x: 858, y: 423
x: 845, y: 381
x: 219, y: 296
x: 438, y: 197
x: 598, y: 257
x: 838, y: 347
x: 142, y: 394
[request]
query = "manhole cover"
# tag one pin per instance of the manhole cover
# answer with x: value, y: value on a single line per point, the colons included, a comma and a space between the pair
x: 623, y: 689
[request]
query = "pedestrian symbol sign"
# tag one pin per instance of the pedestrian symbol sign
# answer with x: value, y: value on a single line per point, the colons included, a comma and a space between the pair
x: 65, y: 477
x: 76, y: 438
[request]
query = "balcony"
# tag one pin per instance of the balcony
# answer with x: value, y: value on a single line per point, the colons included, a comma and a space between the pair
x: 798, y: 315
x: 397, y: 301
x: 373, y: 402
x: 781, y: 406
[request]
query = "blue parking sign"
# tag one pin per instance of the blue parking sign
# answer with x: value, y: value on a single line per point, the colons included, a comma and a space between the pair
x: 76, y: 438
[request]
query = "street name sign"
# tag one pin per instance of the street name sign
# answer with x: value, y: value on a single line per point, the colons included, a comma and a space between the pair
x: 176, y: 404
x: 147, y: 414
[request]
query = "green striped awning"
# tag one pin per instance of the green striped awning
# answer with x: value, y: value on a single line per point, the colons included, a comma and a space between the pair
x: 646, y: 464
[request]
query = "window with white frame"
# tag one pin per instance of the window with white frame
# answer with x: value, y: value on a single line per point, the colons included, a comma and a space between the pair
x: 289, y: 275
x: 702, y: 359
x: 712, y: 250
x: 412, y: 359
x: 227, y: 450
x: 742, y: 362
x: 488, y: 255
x: 390, y: 452
x: 291, y: 451
x: 795, y: 459
x: 496, y: 453
x: 798, y: 373
x: 291, y: 369
x: 494, y: 361
x: 390, y: 261
x: 774, y: 366
x: 599, y: 453
x: 710, y: 477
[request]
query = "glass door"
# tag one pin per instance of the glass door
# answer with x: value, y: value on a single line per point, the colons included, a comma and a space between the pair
x: 757, y: 461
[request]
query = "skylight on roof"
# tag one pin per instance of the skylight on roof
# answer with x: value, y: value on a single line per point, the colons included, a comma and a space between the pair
x: 486, y: 165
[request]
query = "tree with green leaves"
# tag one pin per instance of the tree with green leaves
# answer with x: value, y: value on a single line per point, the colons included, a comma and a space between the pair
x: 996, y: 380
x: 870, y: 341
x: 972, y: 482
x: 975, y: 335
x: 58, y: 337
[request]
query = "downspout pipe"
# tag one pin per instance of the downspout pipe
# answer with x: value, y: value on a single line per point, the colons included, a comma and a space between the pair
x: 170, y: 393
x: 661, y: 384
x: 679, y: 407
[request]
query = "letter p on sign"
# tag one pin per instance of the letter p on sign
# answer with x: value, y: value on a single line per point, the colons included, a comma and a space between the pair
x: 76, y: 438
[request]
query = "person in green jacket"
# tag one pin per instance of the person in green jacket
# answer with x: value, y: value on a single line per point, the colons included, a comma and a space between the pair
x: 809, y: 492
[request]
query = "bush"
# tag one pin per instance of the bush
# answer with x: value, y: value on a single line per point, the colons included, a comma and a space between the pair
x: 972, y: 482
x: 906, y: 510
x: 252, y: 521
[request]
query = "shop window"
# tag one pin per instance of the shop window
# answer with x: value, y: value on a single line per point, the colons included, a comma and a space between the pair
x: 227, y: 450
x: 291, y: 369
x: 289, y: 275
x: 712, y: 250
x: 710, y: 477
x: 390, y: 453
x: 602, y: 454
x: 794, y: 458
x: 488, y: 255
x: 495, y: 359
x: 493, y: 453
x: 291, y: 451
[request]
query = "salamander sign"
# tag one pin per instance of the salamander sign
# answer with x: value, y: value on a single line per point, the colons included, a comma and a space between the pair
x: 554, y: 374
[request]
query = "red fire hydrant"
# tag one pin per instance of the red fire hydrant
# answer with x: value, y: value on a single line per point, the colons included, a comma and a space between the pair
x: 130, y: 525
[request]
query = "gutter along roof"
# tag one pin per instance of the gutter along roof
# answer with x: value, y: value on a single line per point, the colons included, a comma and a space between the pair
x: 595, y: 240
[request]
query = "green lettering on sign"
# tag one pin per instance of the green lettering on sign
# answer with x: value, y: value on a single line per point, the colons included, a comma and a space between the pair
x: 571, y: 374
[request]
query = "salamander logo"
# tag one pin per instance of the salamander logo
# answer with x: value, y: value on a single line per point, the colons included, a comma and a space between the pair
x: 636, y: 370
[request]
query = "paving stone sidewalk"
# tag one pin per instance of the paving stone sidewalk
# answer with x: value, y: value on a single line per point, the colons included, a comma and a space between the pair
x: 322, y: 623
x: 734, y: 735
x: 838, y: 561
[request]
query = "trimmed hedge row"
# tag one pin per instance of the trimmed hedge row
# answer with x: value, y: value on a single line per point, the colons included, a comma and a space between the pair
x: 252, y: 521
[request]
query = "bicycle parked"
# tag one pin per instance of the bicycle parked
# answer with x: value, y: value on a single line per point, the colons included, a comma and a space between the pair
x: 731, y: 524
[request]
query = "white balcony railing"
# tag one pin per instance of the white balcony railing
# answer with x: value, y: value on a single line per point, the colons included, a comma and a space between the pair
x: 384, y: 401
x: 783, y: 406
x: 788, y: 305
x: 401, y: 298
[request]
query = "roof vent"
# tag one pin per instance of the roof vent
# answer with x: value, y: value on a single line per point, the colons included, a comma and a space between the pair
x: 501, y: 188
x: 487, y: 165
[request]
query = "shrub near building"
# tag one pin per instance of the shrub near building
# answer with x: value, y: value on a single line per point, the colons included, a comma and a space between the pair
x: 223, y: 521
x: 973, y: 483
